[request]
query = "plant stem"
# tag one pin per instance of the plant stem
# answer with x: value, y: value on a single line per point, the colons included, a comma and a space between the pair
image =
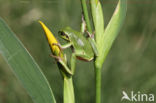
x: 98, y: 83
x: 86, y: 16
x: 97, y: 66
x: 68, y: 90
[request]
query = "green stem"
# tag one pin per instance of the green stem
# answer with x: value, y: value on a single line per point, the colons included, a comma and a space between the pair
x: 98, y: 83
x: 68, y: 90
x: 97, y: 66
x: 86, y: 16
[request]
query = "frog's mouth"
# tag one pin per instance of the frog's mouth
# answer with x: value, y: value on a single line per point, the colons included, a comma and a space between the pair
x: 63, y: 35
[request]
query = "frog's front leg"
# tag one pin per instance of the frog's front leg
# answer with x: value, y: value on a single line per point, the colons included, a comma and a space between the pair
x: 90, y: 35
x: 64, y: 46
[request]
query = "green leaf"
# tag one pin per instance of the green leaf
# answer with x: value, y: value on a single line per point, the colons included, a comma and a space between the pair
x: 24, y: 66
x: 98, y: 20
x: 68, y: 90
x: 111, y: 31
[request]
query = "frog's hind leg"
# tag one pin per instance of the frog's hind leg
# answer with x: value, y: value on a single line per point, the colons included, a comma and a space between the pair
x: 64, y: 65
x: 56, y: 57
x: 66, y: 68
x: 93, y: 43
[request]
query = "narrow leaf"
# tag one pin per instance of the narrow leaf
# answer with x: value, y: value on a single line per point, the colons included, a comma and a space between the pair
x: 24, y: 66
x: 98, y: 20
x: 111, y: 31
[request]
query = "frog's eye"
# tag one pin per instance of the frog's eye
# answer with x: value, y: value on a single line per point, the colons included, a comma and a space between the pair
x: 63, y: 35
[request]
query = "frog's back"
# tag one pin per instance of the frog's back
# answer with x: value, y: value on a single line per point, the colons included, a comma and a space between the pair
x: 81, y: 46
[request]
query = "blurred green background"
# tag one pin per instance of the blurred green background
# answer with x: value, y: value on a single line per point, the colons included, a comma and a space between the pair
x: 130, y: 65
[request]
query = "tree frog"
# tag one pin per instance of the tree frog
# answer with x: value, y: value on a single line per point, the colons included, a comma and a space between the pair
x: 81, y: 47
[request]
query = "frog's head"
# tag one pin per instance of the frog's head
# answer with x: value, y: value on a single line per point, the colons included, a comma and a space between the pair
x: 65, y: 33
